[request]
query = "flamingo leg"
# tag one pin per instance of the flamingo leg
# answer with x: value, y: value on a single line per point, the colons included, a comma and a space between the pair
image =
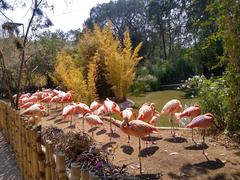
x: 139, y: 156
x: 48, y: 108
x: 203, y: 143
x: 111, y: 130
x: 83, y: 122
x: 172, y: 125
x: 128, y: 139
x: 193, y: 133
x: 70, y: 121
x: 193, y: 138
x: 92, y: 133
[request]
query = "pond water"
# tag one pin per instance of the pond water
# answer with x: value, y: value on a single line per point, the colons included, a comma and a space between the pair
x: 160, y: 98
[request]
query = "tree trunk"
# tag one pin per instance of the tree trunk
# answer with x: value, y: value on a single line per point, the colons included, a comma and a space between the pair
x: 164, y: 45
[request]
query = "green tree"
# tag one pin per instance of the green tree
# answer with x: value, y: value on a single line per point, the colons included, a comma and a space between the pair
x: 230, y: 31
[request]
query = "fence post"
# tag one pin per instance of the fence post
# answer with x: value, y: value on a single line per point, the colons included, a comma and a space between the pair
x: 52, y: 160
x: 47, y: 162
x: 41, y: 155
x: 60, y: 166
x: 75, y: 173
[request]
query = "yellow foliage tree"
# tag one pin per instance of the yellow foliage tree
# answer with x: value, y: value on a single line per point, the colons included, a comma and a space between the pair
x: 120, y: 62
x: 115, y: 64
x: 70, y: 76
x: 92, y: 71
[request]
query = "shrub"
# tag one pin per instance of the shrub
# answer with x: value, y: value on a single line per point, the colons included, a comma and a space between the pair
x: 213, y: 98
x: 144, y: 81
x: 212, y: 94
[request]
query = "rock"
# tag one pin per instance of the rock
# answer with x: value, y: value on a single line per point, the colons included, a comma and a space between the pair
x: 126, y: 104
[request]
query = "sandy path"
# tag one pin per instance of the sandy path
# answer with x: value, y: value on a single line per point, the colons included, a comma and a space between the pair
x: 8, y: 166
x: 167, y: 159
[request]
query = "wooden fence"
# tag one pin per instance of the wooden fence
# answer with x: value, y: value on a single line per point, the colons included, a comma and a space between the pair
x: 36, y: 159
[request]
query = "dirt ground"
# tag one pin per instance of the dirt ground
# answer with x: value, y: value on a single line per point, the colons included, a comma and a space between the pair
x: 168, y: 158
x: 8, y: 166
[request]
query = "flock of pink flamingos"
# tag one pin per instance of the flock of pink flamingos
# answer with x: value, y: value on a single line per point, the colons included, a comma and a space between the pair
x: 138, y: 125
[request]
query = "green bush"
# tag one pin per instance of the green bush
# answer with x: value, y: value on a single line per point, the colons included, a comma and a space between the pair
x: 144, y: 81
x: 212, y: 94
x: 213, y: 98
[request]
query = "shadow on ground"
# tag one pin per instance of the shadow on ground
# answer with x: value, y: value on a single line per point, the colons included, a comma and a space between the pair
x: 196, y: 147
x: 176, y: 140
x: 149, y: 176
x: 127, y: 149
x: 149, y: 151
x: 151, y: 138
x: 102, y: 131
x: 189, y: 171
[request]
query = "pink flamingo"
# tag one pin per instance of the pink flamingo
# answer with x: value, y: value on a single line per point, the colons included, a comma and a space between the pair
x: 69, y: 110
x: 129, y: 115
x: 202, y: 121
x: 101, y: 110
x: 138, y: 129
x: 170, y: 108
x: 95, y: 105
x: 146, y: 112
x: 66, y: 98
x: 47, y: 100
x: 192, y: 111
x: 56, y: 99
x: 35, y: 110
x: 93, y: 120
x: 82, y: 109
x: 111, y: 107
x: 26, y: 105
x: 154, y: 118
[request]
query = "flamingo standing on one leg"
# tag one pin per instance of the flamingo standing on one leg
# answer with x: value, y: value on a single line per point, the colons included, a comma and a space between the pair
x: 202, y: 121
x: 93, y: 120
x: 82, y: 109
x: 47, y: 100
x: 170, y: 108
x: 129, y: 115
x: 69, y: 110
x: 138, y: 129
x: 66, y: 98
x: 111, y: 108
x: 146, y: 113
x: 192, y: 111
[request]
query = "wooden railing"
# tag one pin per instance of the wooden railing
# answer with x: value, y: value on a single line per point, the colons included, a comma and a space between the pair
x: 36, y: 159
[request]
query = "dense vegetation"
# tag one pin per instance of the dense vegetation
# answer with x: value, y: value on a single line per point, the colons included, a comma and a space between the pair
x: 135, y: 45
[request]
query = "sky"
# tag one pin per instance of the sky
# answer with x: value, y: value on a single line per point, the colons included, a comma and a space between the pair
x: 67, y: 14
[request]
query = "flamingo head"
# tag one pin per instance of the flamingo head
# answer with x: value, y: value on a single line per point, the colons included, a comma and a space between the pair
x: 210, y: 115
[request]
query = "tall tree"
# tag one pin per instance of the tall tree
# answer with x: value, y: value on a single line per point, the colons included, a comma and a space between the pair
x: 230, y: 26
